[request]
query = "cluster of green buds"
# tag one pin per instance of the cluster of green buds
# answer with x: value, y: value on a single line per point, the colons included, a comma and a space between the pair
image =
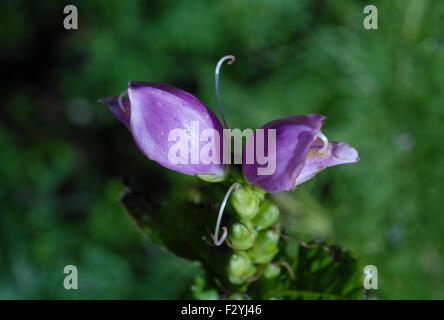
x: 254, y: 237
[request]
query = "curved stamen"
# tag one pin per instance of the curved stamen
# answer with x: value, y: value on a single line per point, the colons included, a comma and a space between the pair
x: 217, y: 241
x: 222, y: 238
x: 324, y: 139
x: 120, y: 100
x: 216, y: 78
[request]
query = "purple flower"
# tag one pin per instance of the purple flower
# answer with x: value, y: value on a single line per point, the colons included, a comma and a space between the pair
x: 301, y: 151
x: 153, y: 111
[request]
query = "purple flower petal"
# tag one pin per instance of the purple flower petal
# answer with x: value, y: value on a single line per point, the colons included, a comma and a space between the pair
x: 297, y: 153
x: 156, y: 110
x: 337, y: 153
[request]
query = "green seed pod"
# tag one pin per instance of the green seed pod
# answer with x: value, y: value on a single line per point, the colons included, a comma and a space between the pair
x: 265, y: 248
x: 267, y: 215
x: 240, y: 268
x: 240, y: 237
x: 245, y: 202
x: 271, y: 270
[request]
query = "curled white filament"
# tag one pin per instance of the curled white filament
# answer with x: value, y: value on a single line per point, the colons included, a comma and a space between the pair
x: 120, y: 100
x: 217, y: 241
x: 216, y: 80
x: 324, y: 139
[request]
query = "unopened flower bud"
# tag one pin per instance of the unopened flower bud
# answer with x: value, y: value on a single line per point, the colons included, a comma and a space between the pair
x: 241, y: 237
x: 267, y: 215
x: 240, y: 268
x: 245, y: 202
x: 159, y: 117
x: 265, y: 248
x: 260, y: 193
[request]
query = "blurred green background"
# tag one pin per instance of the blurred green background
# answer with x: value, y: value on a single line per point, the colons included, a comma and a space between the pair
x: 63, y: 156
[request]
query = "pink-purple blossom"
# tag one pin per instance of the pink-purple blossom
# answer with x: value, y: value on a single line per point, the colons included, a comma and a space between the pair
x: 152, y: 110
x: 301, y: 152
